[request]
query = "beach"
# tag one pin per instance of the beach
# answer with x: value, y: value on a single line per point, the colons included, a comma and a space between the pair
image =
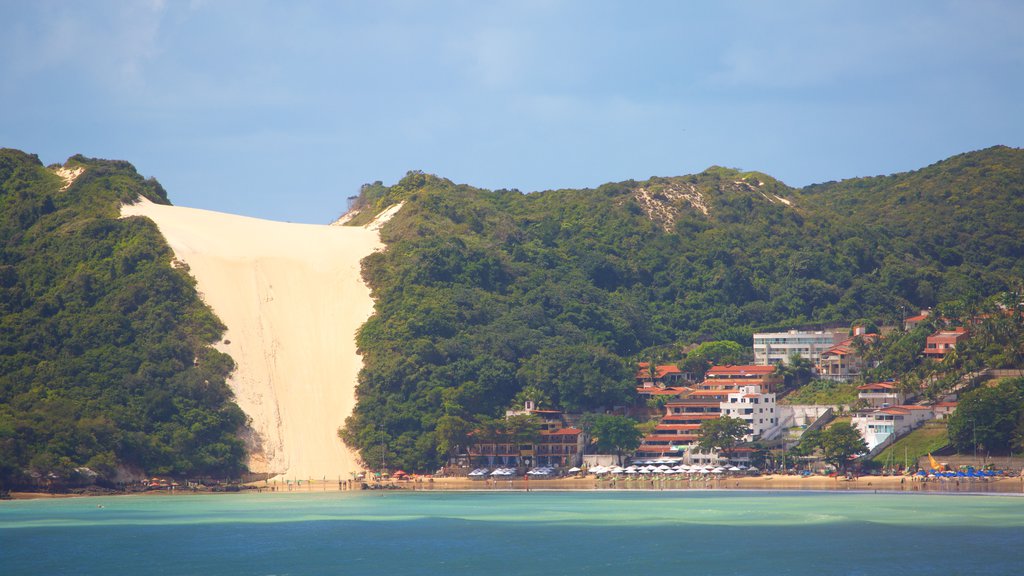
x: 292, y: 298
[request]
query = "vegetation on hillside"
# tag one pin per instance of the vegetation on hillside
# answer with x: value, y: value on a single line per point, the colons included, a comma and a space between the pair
x: 104, y: 361
x: 481, y: 293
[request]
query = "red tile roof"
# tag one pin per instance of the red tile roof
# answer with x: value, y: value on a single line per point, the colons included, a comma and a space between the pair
x: 659, y: 371
x: 563, y: 431
x: 744, y: 370
x: 878, y: 386
x: 667, y: 391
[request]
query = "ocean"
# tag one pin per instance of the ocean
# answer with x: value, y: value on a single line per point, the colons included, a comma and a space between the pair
x: 483, y: 533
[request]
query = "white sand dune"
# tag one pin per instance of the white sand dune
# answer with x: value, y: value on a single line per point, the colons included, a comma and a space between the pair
x: 292, y: 298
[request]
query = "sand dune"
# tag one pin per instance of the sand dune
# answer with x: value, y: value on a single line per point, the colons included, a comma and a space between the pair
x: 292, y: 297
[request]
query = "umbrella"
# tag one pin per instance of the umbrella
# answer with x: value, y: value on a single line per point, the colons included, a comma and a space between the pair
x: 734, y: 469
x: 574, y: 469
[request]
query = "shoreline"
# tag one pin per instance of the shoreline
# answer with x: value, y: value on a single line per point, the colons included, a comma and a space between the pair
x: 1009, y: 486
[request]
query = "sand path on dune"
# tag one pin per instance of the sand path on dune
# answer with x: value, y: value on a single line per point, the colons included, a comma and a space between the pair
x: 292, y: 298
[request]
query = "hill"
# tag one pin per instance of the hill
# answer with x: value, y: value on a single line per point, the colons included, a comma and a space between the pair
x: 105, y: 367
x: 484, y: 293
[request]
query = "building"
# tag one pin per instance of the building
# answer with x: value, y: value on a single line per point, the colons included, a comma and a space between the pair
x: 663, y: 376
x: 733, y: 377
x: 777, y: 347
x: 842, y: 362
x: 881, y: 394
x: 877, y: 425
x: 558, y: 443
x: 756, y: 408
x: 912, y: 322
x: 943, y: 342
x: 679, y: 426
x: 944, y: 409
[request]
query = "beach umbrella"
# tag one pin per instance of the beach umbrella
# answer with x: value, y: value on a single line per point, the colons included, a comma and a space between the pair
x: 573, y: 470
x: 734, y: 469
x: 628, y: 471
x: 718, y: 470
x: 662, y: 468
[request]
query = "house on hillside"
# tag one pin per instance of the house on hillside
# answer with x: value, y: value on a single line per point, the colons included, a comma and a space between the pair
x: 912, y: 322
x: 877, y: 425
x: 943, y: 342
x: 735, y: 377
x: 944, y: 409
x: 776, y: 347
x: 879, y: 394
x: 663, y: 376
x: 842, y: 362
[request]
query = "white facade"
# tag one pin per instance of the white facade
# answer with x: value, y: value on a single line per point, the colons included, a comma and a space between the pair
x: 876, y: 426
x: 757, y: 409
x: 776, y: 347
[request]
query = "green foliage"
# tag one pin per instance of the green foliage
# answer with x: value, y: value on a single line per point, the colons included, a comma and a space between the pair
x: 837, y: 443
x: 103, y: 357
x: 484, y: 292
x: 823, y: 392
x: 921, y: 442
x: 722, y: 433
x: 991, y: 418
x: 613, y: 434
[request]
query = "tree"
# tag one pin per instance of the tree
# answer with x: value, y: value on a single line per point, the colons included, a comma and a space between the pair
x: 797, y: 371
x: 612, y: 433
x: 715, y: 352
x: 451, y: 433
x: 531, y: 393
x: 838, y: 443
x: 988, y: 417
x: 722, y: 433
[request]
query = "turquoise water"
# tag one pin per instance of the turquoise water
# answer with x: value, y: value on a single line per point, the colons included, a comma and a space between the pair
x: 455, y: 533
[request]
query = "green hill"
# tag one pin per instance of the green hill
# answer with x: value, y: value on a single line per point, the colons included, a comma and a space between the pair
x: 482, y: 293
x: 104, y: 362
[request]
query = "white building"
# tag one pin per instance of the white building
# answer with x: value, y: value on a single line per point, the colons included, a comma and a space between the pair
x: 757, y: 409
x: 776, y: 347
x: 876, y: 426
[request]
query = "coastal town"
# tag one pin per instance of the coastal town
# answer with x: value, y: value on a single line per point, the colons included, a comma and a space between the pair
x: 679, y: 405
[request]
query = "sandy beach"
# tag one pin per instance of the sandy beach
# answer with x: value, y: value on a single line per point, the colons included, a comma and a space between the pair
x: 292, y: 298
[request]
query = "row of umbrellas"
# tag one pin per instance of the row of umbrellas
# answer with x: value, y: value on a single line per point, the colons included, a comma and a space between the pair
x: 960, y: 474
x: 666, y: 469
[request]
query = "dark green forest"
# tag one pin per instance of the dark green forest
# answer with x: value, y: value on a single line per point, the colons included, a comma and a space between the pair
x: 482, y: 293
x: 104, y: 356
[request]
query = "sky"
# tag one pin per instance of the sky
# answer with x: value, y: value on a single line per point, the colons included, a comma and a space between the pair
x: 282, y: 110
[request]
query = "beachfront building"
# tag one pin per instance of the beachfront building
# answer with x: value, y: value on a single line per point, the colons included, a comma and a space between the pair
x: 879, y: 394
x: 679, y: 426
x: 558, y: 443
x: 943, y: 342
x: 878, y: 425
x: 757, y: 409
x: 772, y: 348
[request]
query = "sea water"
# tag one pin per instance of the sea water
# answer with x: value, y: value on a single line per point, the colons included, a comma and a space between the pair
x: 483, y: 533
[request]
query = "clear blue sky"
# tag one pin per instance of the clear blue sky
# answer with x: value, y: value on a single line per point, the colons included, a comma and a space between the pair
x: 281, y: 109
